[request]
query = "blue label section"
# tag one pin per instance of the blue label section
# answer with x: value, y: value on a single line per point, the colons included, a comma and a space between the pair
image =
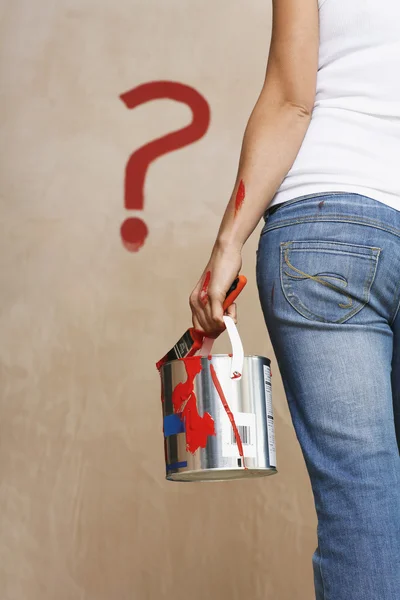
x: 177, y: 465
x: 173, y: 425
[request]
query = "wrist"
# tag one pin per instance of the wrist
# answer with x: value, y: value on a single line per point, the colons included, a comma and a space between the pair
x: 228, y: 242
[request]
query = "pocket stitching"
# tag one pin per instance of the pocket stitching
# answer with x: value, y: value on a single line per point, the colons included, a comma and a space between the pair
x: 372, y: 256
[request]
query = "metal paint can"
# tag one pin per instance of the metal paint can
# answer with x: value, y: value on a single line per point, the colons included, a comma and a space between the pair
x: 250, y: 401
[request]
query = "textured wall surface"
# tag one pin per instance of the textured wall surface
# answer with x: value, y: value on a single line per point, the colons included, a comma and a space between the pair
x: 85, y: 511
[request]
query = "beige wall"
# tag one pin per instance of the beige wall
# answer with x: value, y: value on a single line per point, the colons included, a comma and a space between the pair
x: 85, y: 511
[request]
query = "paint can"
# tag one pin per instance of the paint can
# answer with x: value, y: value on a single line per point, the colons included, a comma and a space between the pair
x: 218, y: 420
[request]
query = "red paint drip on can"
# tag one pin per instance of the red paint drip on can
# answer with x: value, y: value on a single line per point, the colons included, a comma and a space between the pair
x: 185, y: 405
x: 228, y: 412
x: 240, y: 196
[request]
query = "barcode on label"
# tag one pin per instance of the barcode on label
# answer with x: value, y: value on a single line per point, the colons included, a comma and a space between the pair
x: 246, y: 427
x: 244, y: 432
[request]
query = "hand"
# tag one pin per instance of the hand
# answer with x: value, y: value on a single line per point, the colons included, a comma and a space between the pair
x: 206, y: 300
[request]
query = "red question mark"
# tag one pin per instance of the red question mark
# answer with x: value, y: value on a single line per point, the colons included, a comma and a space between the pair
x: 133, y: 230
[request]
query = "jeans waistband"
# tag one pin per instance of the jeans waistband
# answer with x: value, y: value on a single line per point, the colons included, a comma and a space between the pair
x: 274, y: 208
x: 335, y: 206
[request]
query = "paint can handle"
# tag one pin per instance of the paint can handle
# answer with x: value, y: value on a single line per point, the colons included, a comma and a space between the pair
x: 236, y: 344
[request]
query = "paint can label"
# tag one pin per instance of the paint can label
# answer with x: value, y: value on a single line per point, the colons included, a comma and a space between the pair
x: 246, y: 424
x: 270, y: 417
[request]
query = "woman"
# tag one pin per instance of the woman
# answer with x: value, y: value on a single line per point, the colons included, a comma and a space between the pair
x: 320, y: 160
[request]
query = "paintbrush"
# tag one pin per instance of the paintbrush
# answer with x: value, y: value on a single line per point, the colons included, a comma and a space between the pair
x: 192, y: 340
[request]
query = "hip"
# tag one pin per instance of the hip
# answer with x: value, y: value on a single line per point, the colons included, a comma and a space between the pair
x: 336, y: 257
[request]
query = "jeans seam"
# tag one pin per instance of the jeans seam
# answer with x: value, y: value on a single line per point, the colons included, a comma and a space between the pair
x: 392, y: 320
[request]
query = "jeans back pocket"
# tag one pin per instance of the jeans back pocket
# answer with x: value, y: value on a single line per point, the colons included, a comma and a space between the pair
x: 327, y: 281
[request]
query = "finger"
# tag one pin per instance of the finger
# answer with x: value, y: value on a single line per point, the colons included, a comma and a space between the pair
x: 197, y: 325
x: 217, y: 312
x: 203, y: 311
x: 198, y: 318
x: 202, y: 315
x: 204, y: 321
x: 203, y: 298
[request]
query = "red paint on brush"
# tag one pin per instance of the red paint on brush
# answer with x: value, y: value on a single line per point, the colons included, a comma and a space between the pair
x: 228, y: 412
x: 240, y: 196
x: 204, y: 289
x: 185, y: 405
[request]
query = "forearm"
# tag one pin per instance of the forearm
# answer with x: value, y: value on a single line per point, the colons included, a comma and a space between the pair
x: 271, y: 142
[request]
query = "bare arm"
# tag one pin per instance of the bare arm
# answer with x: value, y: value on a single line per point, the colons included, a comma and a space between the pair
x: 272, y: 140
x: 279, y: 120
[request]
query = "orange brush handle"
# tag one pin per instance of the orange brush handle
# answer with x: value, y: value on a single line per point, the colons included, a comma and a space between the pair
x: 234, y: 291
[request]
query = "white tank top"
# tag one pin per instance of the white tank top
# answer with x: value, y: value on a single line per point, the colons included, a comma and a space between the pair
x: 353, y: 141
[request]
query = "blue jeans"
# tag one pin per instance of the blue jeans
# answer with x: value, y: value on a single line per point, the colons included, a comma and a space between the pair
x: 328, y: 275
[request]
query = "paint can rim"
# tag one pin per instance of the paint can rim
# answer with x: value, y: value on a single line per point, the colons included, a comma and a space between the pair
x: 257, y: 356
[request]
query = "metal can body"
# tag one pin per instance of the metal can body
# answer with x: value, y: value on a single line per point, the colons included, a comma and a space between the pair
x: 218, y: 455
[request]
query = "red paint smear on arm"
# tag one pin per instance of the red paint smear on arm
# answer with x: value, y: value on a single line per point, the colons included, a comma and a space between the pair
x: 228, y: 412
x: 204, y: 289
x: 240, y: 196
x: 185, y: 405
